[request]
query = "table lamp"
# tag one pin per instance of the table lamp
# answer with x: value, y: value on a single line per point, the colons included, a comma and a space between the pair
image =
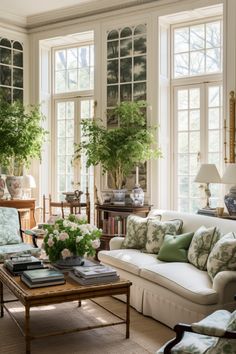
x: 28, y: 184
x: 229, y: 177
x: 207, y: 174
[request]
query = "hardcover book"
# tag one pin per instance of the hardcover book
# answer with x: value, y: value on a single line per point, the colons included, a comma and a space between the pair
x: 46, y: 274
x: 42, y: 283
x: 95, y: 271
x: 94, y: 280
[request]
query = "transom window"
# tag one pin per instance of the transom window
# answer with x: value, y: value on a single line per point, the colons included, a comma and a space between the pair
x: 197, y: 49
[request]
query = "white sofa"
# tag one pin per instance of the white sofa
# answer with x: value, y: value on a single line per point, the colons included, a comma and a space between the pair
x: 173, y: 292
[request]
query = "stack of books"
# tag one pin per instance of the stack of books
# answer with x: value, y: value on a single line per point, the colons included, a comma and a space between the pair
x: 16, y: 265
x: 42, y: 277
x: 94, y: 275
x: 208, y: 212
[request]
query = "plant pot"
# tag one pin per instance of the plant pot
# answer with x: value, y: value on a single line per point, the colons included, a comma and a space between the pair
x: 15, y: 186
x: 119, y: 196
x: 2, y: 187
x: 70, y: 261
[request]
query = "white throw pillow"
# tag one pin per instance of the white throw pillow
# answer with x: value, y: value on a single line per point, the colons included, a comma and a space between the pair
x: 223, y: 255
x: 201, y: 245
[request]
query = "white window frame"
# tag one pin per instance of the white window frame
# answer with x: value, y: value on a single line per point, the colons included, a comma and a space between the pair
x: 75, y: 96
x: 188, y: 82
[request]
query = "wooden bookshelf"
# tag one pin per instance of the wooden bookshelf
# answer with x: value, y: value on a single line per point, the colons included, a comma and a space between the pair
x: 112, y: 220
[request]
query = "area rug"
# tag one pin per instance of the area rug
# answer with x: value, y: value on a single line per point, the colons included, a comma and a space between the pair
x: 146, y: 334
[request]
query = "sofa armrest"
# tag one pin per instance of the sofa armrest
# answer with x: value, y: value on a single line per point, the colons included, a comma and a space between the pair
x: 224, y: 284
x: 116, y: 242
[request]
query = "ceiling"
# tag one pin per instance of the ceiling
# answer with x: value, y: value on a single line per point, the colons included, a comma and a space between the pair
x: 33, y: 13
x: 33, y: 7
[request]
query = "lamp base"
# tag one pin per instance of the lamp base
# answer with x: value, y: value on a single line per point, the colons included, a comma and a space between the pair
x: 230, y: 201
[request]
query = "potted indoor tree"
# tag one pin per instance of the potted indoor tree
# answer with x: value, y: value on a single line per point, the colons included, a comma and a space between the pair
x: 21, y: 141
x: 120, y: 149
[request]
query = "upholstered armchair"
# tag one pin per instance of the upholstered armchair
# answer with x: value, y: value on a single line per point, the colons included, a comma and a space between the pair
x: 11, y: 236
x: 215, y: 334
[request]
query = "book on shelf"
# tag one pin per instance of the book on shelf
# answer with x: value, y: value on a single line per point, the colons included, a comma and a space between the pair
x: 40, y: 275
x: 32, y: 285
x: 97, y: 271
x: 93, y: 281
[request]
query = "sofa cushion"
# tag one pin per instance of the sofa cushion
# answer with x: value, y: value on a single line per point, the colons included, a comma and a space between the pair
x: 9, y: 226
x: 8, y: 251
x: 183, y: 279
x: 223, y: 255
x: 156, y: 231
x: 130, y: 260
x: 175, y: 248
x: 202, y: 243
x: 136, y: 232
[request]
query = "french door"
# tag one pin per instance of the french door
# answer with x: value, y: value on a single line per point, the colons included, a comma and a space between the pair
x: 197, y: 139
x: 69, y: 175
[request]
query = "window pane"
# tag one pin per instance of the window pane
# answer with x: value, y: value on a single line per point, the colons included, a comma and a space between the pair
x: 183, y: 142
x: 72, y: 58
x: 214, y: 96
x: 181, y: 40
x: 197, y: 61
x: 60, y: 81
x: 182, y: 99
x: 183, y: 186
x: 194, y: 138
x: 183, y: 120
x: 83, y: 56
x: 194, y: 98
x: 213, y: 141
x: 197, y: 37
x: 194, y: 120
x: 181, y: 64
x: 214, y: 118
x: 213, y: 60
x: 60, y: 60
x: 183, y: 166
x: 213, y: 35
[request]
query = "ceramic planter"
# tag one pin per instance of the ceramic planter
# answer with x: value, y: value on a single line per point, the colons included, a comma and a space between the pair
x: 15, y: 186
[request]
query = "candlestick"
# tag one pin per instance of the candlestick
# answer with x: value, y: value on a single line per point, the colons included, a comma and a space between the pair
x: 137, y: 176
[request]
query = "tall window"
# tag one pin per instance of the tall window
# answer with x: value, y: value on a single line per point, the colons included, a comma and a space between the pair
x: 73, y: 102
x: 197, y: 112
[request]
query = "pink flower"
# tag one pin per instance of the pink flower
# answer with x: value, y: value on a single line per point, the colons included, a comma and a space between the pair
x: 63, y: 236
x: 50, y: 242
x: 66, y: 253
x: 95, y: 243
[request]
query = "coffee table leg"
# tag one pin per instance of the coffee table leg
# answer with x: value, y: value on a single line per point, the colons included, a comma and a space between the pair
x: 127, y: 312
x: 27, y: 330
x: 1, y: 299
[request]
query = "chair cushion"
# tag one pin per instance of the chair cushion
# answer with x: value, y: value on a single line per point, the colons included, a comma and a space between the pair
x: 9, y: 226
x: 156, y: 231
x: 130, y: 260
x: 223, y: 255
x: 201, y: 245
x: 8, y: 251
x: 183, y: 279
x: 175, y: 248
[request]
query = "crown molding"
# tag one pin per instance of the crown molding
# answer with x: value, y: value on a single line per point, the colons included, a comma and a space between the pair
x: 12, y: 20
x: 95, y: 7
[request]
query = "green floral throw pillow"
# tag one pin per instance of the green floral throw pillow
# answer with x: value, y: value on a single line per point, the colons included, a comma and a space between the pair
x: 202, y: 243
x: 223, y: 255
x: 136, y: 232
x: 156, y: 231
x: 175, y: 248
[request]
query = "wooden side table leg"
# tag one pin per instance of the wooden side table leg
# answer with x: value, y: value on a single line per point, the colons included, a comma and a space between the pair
x: 1, y: 299
x: 127, y: 312
x: 27, y: 330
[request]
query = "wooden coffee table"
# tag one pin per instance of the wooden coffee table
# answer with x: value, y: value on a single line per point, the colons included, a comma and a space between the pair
x: 70, y: 291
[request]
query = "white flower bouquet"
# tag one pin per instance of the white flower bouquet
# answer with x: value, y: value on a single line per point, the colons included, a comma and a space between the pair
x: 70, y: 237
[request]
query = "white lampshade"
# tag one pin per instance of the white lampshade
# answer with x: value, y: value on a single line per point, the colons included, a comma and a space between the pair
x: 207, y: 173
x: 29, y: 181
x: 229, y: 176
